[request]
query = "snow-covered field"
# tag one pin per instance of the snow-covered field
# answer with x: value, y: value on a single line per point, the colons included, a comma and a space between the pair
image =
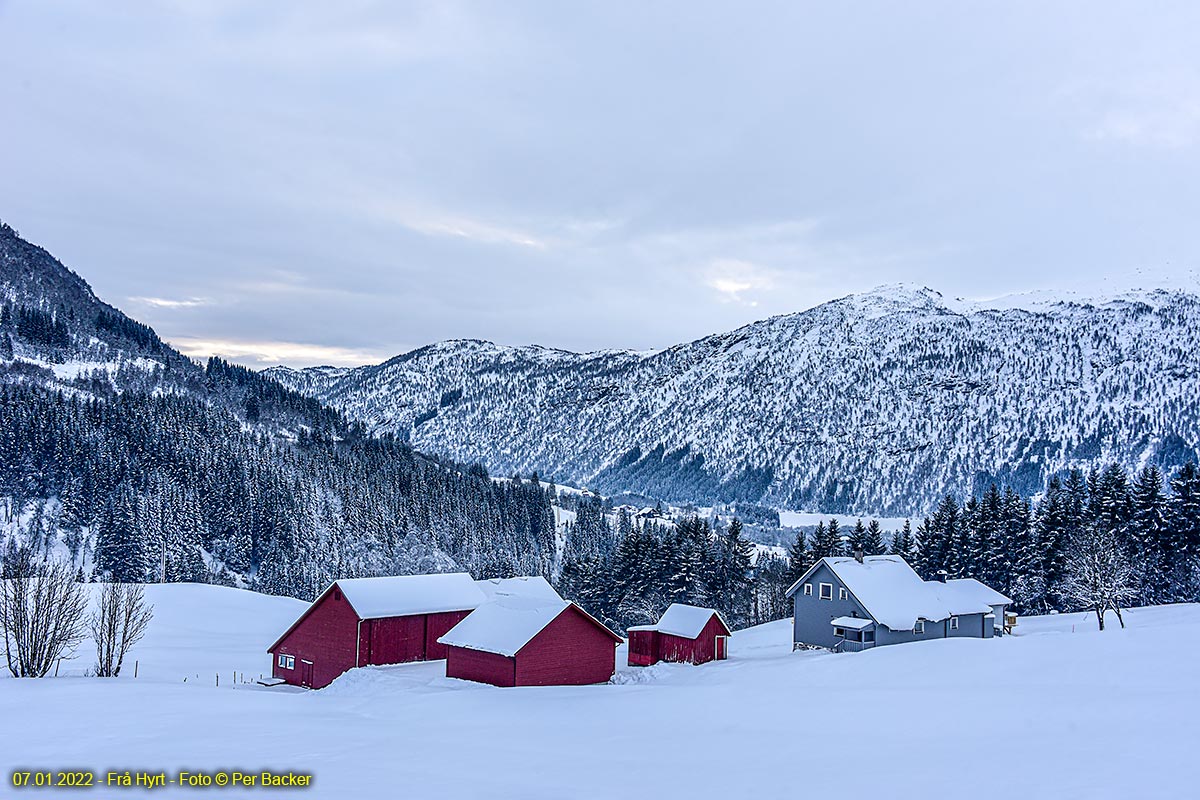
x: 1060, y: 711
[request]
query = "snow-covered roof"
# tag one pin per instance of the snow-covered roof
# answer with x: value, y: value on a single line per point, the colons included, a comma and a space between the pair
x: 682, y: 620
x: 401, y: 595
x: 971, y: 590
x: 853, y: 623
x: 534, y: 586
x: 894, y: 594
x: 508, y: 623
x: 504, y: 625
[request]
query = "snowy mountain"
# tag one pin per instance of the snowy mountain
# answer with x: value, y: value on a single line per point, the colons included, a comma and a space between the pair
x: 878, y: 402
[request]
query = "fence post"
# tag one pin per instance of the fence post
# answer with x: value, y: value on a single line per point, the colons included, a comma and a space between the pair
x: 135, y: 668
x: 218, y: 679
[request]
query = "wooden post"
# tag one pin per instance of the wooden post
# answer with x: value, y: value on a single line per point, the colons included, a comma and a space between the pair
x: 135, y: 668
x: 218, y: 679
x: 57, y: 664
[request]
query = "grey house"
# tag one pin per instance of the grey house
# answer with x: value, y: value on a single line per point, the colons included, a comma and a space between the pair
x: 860, y: 602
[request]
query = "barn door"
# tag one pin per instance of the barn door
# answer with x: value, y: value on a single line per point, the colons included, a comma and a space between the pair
x: 722, y: 648
x: 306, y: 673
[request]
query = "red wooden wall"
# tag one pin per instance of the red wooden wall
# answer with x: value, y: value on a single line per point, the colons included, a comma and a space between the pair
x: 325, y: 637
x: 569, y: 651
x: 475, y: 665
x: 392, y: 640
x: 437, y: 626
x: 643, y: 648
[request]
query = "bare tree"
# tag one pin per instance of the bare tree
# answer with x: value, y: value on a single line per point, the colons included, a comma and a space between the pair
x: 1099, y: 575
x: 117, y: 624
x: 41, y: 611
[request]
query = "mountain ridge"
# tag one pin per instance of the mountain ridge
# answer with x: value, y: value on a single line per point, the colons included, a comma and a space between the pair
x: 948, y: 393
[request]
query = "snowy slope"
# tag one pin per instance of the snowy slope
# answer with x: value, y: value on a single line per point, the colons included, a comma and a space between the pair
x: 875, y: 403
x: 1046, y: 712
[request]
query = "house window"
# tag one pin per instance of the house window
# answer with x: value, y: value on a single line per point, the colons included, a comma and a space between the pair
x: 337, y: 594
x: 808, y: 590
x: 839, y: 631
x: 954, y: 623
x: 919, y: 627
x: 826, y: 591
x: 868, y: 636
x: 843, y: 594
x: 287, y: 662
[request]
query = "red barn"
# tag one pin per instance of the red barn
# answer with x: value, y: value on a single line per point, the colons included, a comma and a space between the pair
x: 531, y: 641
x: 361, y: 621
x: 685, y: 633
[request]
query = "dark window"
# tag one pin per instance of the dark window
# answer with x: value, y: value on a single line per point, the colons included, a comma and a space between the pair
x: 337, y: 594
x: 868, y: 636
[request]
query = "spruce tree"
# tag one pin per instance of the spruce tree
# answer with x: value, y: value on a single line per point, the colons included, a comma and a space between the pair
x: 858, y: 537
x: 837, y: 547
x: 799, y: 558
x: 873, y: 544
x: 1149, y: 538
x: 904, y: 544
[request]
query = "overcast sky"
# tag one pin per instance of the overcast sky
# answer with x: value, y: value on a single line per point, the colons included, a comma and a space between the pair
x: 339, y: 182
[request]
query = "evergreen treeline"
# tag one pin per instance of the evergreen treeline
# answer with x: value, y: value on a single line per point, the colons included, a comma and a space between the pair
x: 152, y: 485
x: 627, y: 572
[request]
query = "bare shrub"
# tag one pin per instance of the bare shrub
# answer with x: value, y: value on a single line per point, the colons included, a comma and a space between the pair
x: 117, y: 624
x: 41, y: 611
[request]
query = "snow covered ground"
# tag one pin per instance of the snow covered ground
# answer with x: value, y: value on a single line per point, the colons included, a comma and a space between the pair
x: 1059, y: 711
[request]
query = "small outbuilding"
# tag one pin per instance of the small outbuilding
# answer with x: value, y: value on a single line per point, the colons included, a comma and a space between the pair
x: 684, y: 633
x: 519, y: 640
x: 371, y: 621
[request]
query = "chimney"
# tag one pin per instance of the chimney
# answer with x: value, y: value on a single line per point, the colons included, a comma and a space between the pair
x: 941, y: 575
x: 858, y: 553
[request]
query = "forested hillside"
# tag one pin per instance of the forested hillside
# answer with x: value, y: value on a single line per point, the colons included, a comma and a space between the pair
x: 119, y: 452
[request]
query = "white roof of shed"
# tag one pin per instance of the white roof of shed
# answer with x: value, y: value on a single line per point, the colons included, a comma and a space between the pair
x: 854, y: 623
x: 402, y: 595
x: 535, y: 586
x: 504, y: 625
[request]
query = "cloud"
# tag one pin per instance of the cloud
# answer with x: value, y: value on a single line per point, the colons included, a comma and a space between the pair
x: 437, y: 223
x: 258, y: 353
x: 1156, y: 110
x: 163, y: 302
x: 474, y: 230
x: 732, y: 280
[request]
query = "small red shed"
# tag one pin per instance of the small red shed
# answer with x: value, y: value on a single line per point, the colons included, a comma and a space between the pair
x: 685, y: 633
x: 531, y: 641
x: 361, y: 621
